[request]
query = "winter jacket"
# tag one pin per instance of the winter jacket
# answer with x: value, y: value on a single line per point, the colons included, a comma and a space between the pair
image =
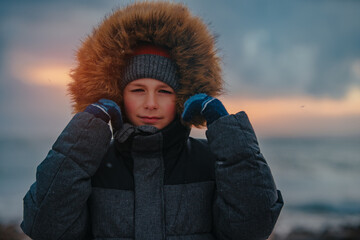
x: 150, y: 184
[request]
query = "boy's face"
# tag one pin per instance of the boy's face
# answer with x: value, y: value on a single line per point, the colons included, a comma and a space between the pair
x: 149, y: 101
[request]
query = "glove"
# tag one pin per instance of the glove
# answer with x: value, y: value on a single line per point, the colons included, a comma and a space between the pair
x: 106, y: 110
x: 209, y: 107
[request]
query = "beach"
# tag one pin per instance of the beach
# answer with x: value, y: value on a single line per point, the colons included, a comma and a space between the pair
x: 340, y: 233
x: 13, y: 232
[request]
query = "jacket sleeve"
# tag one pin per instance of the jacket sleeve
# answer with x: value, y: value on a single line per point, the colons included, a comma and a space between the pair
x: 247, y: 203
x: 55, y: 207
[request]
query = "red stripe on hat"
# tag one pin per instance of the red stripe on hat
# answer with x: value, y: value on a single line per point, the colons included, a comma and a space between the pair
x: 151, y: 49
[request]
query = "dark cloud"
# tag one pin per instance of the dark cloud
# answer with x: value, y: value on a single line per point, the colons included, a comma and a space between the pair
x: 286, y: 48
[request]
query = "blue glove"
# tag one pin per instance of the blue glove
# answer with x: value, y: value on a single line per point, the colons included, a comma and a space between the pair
x: 209, y: 107
x: 106, y: 110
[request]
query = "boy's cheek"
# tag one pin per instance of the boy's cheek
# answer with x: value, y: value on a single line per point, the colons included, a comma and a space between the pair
x: 171, y: 109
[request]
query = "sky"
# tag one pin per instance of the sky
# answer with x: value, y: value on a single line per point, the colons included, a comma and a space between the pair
x: 293, y: 66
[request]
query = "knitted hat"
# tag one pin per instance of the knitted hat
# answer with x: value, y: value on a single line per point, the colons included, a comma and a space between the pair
x: 150, y: 61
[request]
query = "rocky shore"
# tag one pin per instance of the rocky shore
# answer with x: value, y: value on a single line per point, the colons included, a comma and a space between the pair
x: 13, y: 232
x: 340, y: 233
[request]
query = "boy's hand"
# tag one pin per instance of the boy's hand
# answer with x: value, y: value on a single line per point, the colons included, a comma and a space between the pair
x: 209, y: 107
x: 106, y: 110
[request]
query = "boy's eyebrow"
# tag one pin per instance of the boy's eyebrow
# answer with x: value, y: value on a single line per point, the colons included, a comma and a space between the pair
x: 162, y: 85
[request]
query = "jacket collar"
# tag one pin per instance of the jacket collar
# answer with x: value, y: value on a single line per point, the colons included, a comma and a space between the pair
x: 172, y: 134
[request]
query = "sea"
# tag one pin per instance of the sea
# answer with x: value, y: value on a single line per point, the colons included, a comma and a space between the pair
x: 319, y: 178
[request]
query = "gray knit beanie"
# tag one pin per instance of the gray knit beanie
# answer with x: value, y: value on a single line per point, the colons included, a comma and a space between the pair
x: 149, y: 61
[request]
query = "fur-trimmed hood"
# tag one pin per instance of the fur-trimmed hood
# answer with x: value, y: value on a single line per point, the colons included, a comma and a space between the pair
x: 103, y: 55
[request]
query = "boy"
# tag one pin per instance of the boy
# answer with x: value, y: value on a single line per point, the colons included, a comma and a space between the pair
x: 151, y: 69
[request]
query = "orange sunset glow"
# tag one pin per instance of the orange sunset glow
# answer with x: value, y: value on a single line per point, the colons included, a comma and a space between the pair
x: 299, y: 106
x: 49, y: 75
x: 299, y: 116
x: 37, y: 70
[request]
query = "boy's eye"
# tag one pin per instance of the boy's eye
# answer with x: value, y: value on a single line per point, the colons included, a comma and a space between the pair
x: 165, y: 91
x: 137, y: 90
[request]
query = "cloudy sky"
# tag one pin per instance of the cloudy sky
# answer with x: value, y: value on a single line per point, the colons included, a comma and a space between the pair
x: 293, y: 66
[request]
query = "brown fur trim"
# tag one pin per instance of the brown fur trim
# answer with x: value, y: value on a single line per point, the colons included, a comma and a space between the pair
x: 102, y: 56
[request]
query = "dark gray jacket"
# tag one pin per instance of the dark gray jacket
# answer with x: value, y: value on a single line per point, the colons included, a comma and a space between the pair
x: 149, y: 185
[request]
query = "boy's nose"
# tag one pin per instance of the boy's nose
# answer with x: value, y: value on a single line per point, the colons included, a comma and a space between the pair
x: 151, y: 102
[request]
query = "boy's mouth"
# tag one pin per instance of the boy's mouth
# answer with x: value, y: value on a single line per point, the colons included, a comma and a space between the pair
x: 149, y: 119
